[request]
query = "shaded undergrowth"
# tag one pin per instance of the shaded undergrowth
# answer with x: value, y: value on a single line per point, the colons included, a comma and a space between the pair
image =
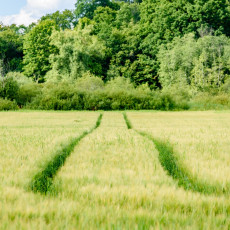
x: 43, y: 180
x: 170, y: 163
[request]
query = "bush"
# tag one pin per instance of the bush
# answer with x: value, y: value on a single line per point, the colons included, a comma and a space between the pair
x: 57, y: 96
x: 226, y: 86
x: 27, y: 93
x: 89, y: 82
x: 7, y: 105
x: 89, y: 93
x: 15, y: 86
x: 9, y: 88
x: 20, y: 78
x: 206, y: 101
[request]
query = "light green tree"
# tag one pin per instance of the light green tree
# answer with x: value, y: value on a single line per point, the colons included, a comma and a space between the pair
x: 79, y: 52
x: 37, y: 49
x: 202, y: 63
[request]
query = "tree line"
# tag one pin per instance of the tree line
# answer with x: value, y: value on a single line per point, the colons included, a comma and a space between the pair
x: 176, y: 47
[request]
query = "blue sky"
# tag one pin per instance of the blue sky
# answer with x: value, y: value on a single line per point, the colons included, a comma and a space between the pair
x: 9, y: 7
x: 28, y: 11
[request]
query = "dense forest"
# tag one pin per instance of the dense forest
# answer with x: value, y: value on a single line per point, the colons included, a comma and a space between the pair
x: 111, y: 55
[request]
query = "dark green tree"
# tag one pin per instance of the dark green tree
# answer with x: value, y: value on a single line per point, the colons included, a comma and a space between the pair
x: 11, y: 52
x: 168, y: 19
x: 119, y: 30
x: 86, y: 8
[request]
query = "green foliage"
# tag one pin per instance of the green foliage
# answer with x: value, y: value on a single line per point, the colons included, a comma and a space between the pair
x: 133, y: 33
x: 18, y: 29
x: 127, y: 13
x: 11, y: 50
x: 89, y: 82
x: 61, y: 96
x: 129, y: 59
x: 168, y: 19
x: 120, y: 31
x: 202, y: 64
x: 86, y: 8
x: 119, y: 84
x: 181, y: 47
x: 90, y: 93
x: 18, y: 87
x: 162, y: 21
x: 20, y: 78
x: 79, y: 52
x: 7, y: 105
x: 64, y: 20
x: 27, y: 93
x: 9, y: 88
x: 37, y: 49
x: 226, y: 86
x: 207, y: 101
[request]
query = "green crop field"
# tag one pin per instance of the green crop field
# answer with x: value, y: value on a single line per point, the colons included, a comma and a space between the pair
x: 114, y: 170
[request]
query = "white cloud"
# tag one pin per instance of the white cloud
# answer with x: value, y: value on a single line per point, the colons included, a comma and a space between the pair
x: 24, y: 17
x: 34, y: 9
x: 43, y: 4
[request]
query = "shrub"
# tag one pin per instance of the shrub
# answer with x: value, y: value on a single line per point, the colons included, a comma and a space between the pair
x: 89, y: 93
x: 57, y: 96
x: 7, y: 105
x: 9, y: 88
x: 89, y: 82
x: 206, y: 101
x: 226, y: 86
x: 27, y: 93
x: 20, y: 78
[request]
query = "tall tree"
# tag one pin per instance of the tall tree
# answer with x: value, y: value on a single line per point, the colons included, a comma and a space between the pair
x: 37, y: 49
x: 11, y: 49
x: 79, y: 52
x: 119, y: 30
x: 201, y: 63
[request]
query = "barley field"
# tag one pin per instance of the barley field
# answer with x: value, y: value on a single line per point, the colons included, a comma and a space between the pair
x: 114, y: 170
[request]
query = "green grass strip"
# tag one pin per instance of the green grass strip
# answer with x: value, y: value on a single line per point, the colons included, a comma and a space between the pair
x: 170, y: 163
x: 127, y: 121
x: 43, y: 180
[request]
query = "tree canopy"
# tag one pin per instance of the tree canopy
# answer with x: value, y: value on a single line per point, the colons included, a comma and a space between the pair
x: 117, y: 38
x: 63, y: 20
x: 37, y: 49
x: 11, y: 50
